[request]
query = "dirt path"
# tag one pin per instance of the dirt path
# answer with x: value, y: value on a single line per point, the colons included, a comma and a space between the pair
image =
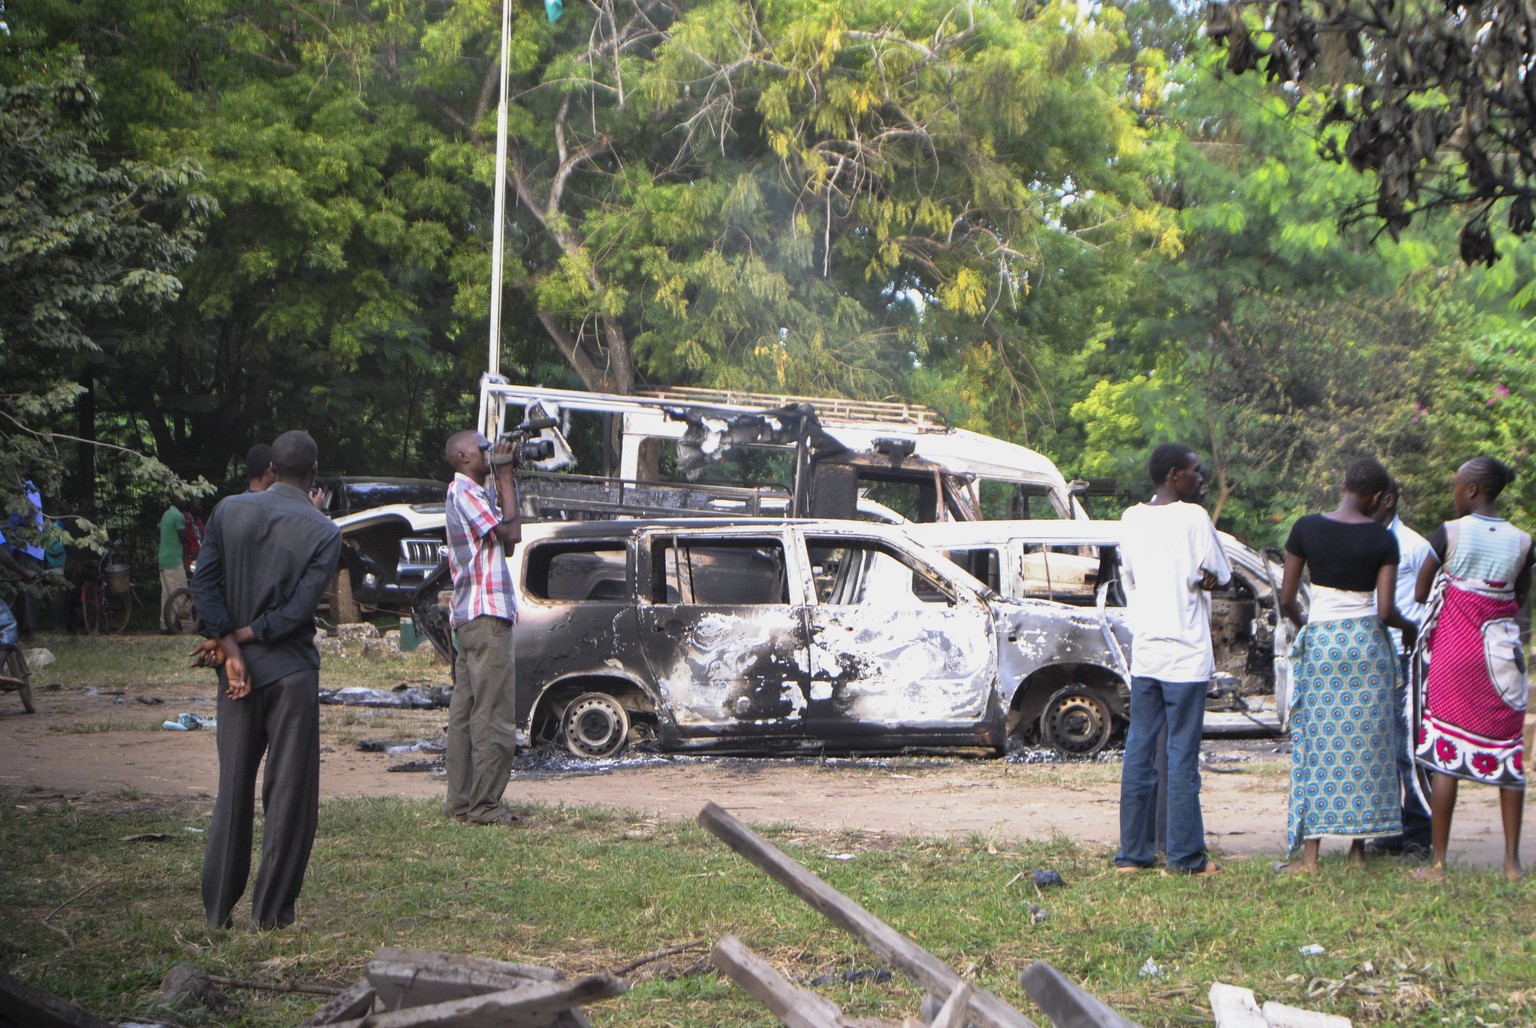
x: 89, y: 742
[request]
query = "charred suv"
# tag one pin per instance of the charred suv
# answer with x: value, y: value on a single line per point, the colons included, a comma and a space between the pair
x: 779, y: 636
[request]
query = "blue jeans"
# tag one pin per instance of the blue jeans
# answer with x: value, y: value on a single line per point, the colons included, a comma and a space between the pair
x: 1180, y: 706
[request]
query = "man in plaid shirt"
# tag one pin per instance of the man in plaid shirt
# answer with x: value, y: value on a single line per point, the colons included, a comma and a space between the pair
x: 483, y: 528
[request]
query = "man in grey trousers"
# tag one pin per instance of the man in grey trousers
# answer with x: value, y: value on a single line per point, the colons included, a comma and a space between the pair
x: 482, y: 528
x: 264, y: 565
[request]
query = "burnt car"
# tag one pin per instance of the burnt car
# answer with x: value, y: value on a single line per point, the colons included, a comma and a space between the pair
x: 781, y: 636
x: 386, y: 554
x: 1077, y: 562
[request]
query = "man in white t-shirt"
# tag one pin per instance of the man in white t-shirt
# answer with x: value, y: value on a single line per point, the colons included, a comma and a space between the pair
x: 1171, y: 558
x: 1412, y: 548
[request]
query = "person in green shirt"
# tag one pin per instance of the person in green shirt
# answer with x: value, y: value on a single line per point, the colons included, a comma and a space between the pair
x: 173, y: 576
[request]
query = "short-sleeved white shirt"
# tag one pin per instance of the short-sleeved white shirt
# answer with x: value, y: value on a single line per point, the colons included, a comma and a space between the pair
x: 1164, y: 551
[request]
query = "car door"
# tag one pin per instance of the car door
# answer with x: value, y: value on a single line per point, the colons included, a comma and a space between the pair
x: 723, y: 631
x: 893, y: 642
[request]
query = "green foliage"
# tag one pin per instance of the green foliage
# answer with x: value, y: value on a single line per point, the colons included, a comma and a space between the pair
x: 90, y: 246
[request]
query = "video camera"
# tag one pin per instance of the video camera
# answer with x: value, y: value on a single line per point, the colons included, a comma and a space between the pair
x: 526, y: 450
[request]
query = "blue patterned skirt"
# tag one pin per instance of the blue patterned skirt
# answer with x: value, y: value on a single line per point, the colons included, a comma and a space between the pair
x: 1343, y: 769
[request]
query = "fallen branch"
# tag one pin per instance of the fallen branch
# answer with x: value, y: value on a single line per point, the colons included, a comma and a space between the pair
x: 61, y: 906
x: 312, y: 990
x: 620, y: 972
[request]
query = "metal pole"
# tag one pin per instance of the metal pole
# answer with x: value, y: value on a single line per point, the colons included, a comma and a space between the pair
x: 498, y: 230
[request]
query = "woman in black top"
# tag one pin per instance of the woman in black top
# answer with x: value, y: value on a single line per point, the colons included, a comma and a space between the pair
x: 1343, y: 770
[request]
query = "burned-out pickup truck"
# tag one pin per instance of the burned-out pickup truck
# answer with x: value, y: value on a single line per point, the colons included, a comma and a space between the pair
x: 781, y: 636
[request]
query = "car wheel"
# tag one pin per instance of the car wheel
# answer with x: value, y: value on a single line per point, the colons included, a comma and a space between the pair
x: 594, y: 725
x: 1076, y: 722
x: 344, y: 609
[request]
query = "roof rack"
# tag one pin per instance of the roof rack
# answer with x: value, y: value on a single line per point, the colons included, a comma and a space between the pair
x: 830, y: 410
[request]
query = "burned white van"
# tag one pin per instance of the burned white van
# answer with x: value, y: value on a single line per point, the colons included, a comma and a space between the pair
x: 783, y: 636
x: 1077, y: 563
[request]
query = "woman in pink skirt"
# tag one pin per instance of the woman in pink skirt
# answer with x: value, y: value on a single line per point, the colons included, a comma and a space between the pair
x: 1473, y: 697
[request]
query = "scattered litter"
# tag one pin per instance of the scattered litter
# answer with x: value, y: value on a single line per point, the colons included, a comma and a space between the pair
x: 145, y: 837
x: 1044, y: 879
x: 39, y: 658
x: 417, y: 765
x: 189, y: 723
x: 840, y: 856
x: 1150, y: 969
x: 194, y: 831
x: 1311, y: 949
x: 91, y: 690
x: 400, y: 696
x: 1037, y: 913
x: 150, y: 700
x: 394, y: 747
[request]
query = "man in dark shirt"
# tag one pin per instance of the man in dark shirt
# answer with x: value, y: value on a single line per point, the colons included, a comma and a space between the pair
x: 263, y: 567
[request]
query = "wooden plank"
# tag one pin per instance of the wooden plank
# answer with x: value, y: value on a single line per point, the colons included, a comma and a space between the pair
x: 25, y: 1006
x: 1278, y: 1015
x: 952, y: 1013
x: 532, y: 1005
x: 1235, y: 1007
x: 796, y: 1007
x: 1066, y: 1002
x: 986, y: 1009
x: 353, y: 1003
x: 414, y: 978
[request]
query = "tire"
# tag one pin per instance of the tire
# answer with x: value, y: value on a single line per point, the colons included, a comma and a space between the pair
x: 179, y: 613
x: 117, y: 611
x: 344, y: 609
x: 594, y: 725
x: 16, y: 667
x: 91, y: 598
x: 1076, y: 722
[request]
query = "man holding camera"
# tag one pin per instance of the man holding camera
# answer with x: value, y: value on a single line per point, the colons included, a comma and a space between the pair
x: 483, y: 528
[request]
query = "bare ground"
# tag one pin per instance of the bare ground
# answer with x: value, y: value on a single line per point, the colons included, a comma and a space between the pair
x: 84, y: 742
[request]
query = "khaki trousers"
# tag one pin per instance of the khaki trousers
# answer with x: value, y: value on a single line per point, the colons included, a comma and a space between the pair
x: 482, y: 719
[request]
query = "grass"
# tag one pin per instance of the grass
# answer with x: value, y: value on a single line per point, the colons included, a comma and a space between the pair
x: 92, y: 912
x: 128, y: 661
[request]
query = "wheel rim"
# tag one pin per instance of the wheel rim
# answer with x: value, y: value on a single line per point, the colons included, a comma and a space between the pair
x: 1076, y: 723
x: 594, y: 725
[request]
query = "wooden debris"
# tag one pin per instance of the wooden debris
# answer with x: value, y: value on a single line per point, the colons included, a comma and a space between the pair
x: 954, y: 1000
x: 796, y: 1007
x: 1279, y: 1015
x: 532, y: 1005
x: 23, y: 1006
x: 1236, y: 1007
x: 407, y: 988
x: 351, y: 1004
x: 1065, y: 1000
x: 415, y: 978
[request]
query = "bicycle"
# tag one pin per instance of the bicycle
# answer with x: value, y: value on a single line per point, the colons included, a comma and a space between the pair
x: 15, y: 676
x: 180, y: 612
x: 106, y: 599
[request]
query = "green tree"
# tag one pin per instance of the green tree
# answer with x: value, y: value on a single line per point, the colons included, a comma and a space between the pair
x: 90, y: 246
x: 1277, y: 344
